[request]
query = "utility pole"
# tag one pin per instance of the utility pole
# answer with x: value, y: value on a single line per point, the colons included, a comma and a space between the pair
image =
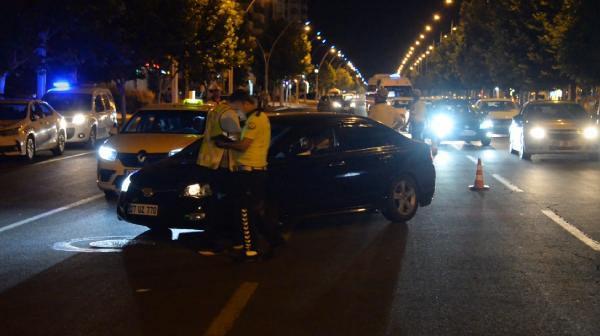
x: 268, y: 53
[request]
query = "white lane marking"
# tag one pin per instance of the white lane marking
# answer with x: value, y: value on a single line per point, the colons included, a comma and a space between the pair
x: 223, y: 323
x: 473, y: 159
x: 50, y: 213
x: 63, y: 158
x: 507, y: 183
x: 594, y: 245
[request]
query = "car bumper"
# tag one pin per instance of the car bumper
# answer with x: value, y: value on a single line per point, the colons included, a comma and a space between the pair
x: 12, y: 146
x: 78, y: 133
x: 173, y: 212
x: 110, y: 175
x: 558, y: 147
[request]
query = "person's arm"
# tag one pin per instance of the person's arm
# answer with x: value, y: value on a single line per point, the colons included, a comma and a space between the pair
x: 240, y: 146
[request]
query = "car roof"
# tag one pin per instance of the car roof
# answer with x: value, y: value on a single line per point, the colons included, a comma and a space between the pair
x: 176, y: 107
x: 86, y: 89
x: 495, y: 100
x: 546, y: 102
x: 312, y: 116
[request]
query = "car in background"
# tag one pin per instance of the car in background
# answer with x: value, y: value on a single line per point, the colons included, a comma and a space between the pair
x: 319, y: 163
x: 153, y: 133
x: 29, y: 126
x: 337, y: 103
x: 455, y: 120
x: 551, y: 127
x: 499, y: 112
x: 90, y: 112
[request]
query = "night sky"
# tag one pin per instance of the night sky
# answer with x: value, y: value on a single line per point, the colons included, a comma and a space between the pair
x: 375, y: 34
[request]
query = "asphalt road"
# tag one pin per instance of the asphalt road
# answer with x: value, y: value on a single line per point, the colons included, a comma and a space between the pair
x: 520, y: 259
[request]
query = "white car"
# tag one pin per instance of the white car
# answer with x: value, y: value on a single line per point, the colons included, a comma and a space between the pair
x: 152, y: 134
x: 499, y: 112
x: 90, y: 112
x: 30, y: 126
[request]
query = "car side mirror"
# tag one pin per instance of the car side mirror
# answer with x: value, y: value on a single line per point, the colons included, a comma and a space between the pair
x: 113, y: 131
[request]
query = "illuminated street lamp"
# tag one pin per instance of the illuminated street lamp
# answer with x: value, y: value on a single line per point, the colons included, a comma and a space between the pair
x: 437, y: 17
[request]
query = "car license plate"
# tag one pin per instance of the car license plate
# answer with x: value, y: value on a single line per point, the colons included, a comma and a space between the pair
x: 143, y: 210
x: 469, y: 133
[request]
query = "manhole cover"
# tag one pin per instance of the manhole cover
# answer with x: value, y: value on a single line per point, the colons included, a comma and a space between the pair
x: 99, y: 244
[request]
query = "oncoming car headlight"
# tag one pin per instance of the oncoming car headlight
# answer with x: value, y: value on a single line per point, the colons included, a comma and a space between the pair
x: 336, y: 105
x: 590, y: 133
x: 197, y: 191
x: 353, y: 105
x: 538, y: 133
x: 107, y: 153
x: 441, y: 125
x: 79, y: 119
x: 486, y: 124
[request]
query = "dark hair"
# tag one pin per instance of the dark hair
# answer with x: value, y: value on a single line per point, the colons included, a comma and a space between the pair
x: 241, y: 96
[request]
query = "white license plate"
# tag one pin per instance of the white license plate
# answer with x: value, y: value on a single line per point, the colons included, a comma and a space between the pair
x: 469, y: 133
x: 130, y: 171
x: 143, y: 210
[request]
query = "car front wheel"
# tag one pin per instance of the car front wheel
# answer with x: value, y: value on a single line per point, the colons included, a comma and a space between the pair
x: 30, y: 149
x: 60, y: 144
x: 401, y: 203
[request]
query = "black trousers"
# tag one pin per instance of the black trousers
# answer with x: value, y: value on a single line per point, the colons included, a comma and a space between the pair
x: 258, y: 227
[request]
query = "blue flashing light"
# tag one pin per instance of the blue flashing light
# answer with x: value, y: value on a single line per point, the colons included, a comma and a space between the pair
x: 61, y: 85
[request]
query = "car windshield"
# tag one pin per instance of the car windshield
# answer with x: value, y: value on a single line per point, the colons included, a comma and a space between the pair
x: 399, y: 91
x: 14, y: 111
x: 68, y: 103
x: 491, y: 106
x: 451, y: 107
x: 168, y: 122
x: 556, y: 111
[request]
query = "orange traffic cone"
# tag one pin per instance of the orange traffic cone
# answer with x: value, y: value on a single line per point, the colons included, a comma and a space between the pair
x: 479, y: 183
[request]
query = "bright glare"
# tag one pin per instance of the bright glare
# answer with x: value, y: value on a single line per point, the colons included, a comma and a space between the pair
x: 107, y: 153
x: 336, y: 105
x: 590, y: 133
x: 175, y: 151
x: 442, y: 125
x: 126, y: 183
x: 538, y: 133
x: 487, y: 124
x: 79, y: 119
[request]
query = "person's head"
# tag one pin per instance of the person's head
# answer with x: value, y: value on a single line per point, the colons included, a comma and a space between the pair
x: 214, y: 92
x: 242, y: 101
x: 381, y: 96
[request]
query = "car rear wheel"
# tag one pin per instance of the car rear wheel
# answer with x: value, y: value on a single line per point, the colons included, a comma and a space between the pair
x: 60, y: 144
x: 402, y: 203
x: 30, y: 149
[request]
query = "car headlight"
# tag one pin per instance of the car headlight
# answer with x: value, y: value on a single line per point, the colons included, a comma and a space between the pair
x: 336, y: 105
x: 538, y: 133
x: 107, y: 153
x: 486, y: 124
x: 197, y: 191
x: 175, y: 151
x: 352, y: 105
x: 126, y: 183
x: 79, y: 119
x: 441, y: 125
x: 590, y: 133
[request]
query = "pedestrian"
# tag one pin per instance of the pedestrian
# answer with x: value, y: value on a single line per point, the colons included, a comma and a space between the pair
x: 386, y: 114
x: 222, y: 124
x: 417, y: 116
x: 251, y: 178
x: 214, y: 93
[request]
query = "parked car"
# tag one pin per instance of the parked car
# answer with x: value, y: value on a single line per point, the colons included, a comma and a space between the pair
x: 29, y: 126
x: 318, y: 164
x: 455, y: 120
x: 550, y: 127
x: 90, y: 112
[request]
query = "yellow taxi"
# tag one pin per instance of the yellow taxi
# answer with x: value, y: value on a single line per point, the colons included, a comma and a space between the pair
x: 153, y: 133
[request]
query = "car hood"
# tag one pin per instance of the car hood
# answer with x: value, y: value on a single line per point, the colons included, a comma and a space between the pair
x: 503, y: 115
x: 171, y: 174
x: 151, y: 143
x: 560, y: 123
x: 9, y: 124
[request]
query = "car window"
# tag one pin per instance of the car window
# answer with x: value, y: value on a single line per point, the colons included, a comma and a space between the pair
x: 109, y: 102
x: 99, y: 104
x: 36, y: 111
x: 170, y: 122
x: 363, y: 135
x: 13, y: 111
x: 555, y: 111
x: 45, y: 110
x: 305, y: 141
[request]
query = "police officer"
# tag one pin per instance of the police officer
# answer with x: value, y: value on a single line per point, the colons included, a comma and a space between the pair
x: 251, y: 174
x: 222, y: 123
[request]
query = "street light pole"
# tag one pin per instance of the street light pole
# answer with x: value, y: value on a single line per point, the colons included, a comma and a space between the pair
x: 268, y: 53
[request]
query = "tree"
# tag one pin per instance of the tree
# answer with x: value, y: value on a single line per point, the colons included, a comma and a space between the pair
x: 327, y: 78
x: 343, y: 79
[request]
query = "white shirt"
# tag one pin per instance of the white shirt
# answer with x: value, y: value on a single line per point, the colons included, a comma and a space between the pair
x: 388, y: 115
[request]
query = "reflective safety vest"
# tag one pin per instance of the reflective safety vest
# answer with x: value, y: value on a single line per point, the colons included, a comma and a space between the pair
x: 211, y: 155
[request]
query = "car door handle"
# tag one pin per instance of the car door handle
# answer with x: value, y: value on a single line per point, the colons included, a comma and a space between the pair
x: 337, y: 164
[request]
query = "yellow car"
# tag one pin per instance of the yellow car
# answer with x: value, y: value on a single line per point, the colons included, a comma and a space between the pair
x: 152, y: 134
x: 499, y: 113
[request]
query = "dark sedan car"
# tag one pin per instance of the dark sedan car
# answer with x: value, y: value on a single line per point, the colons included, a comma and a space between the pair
x: 319, y: 163
x: 455, y: 119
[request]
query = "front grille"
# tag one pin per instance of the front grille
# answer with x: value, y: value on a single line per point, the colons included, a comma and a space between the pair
x: 567, y: 135
x: 7, y: 149
x: 70, y: 133
x: 132, y: 160
x: 105, y: 174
